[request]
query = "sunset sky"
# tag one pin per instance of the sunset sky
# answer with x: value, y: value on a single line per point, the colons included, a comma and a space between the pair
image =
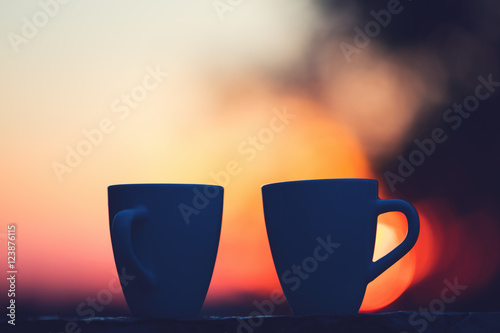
x: 95, y: 93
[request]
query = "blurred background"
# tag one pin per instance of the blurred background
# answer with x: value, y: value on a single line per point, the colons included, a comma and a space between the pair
x: 94, y: 93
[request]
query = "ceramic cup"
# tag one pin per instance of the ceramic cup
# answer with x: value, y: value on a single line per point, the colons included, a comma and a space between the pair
x: 322, y: 238
x: 165, y: 238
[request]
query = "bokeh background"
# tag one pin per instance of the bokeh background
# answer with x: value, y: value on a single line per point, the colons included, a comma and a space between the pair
x: 94, y: 93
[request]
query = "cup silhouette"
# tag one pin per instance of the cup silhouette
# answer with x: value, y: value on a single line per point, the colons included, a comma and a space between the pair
x: 165, y: 239
x: 322, y: 238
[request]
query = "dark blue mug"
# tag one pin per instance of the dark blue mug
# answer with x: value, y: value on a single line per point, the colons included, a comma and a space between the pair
x: 165, y: 239
x: 322, y: 238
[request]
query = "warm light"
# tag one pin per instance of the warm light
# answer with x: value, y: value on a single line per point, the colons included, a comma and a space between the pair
x: 386, y: 288
x: 244, y: 262
x: 226, y: 83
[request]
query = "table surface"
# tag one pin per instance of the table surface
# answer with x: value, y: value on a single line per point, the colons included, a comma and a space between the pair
x: 399, y: 322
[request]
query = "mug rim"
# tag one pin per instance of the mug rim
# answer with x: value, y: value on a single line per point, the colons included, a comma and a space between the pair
x: 336, y: 180
x: 161, y: 185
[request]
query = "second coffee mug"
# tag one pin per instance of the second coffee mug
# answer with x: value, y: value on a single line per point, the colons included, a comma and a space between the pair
x: 165, y: 239
x: 322, y: 238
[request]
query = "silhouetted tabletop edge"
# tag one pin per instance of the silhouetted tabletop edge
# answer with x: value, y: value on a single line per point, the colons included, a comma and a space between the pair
x: 399, y: 322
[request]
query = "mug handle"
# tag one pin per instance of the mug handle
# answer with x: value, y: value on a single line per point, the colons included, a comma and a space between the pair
x: 121, y: 232
x: 396, y: 205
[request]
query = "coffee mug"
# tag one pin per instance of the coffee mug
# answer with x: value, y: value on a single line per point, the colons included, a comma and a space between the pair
x: 322, y: 238
x: 165, y: 238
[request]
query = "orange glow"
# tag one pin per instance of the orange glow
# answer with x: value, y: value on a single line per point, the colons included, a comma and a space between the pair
x: 427, y: 247
x: 244, y: 240
x: 312, y: 145
x: 244, y: 262
x: 386, y: 288
x: 412, y: 268
x: 225, y: 84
